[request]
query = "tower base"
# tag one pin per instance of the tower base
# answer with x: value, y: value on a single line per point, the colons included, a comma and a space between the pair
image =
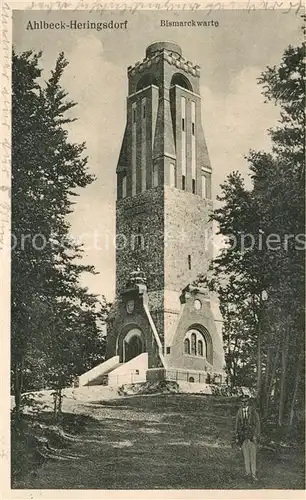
x: 188, y: 349
x: 181, y: 375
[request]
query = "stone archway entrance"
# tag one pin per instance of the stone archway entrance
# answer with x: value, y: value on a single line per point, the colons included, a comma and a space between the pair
x: 133, y: 344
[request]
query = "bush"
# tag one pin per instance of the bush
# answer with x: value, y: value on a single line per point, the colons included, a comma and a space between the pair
x: 162, y: 386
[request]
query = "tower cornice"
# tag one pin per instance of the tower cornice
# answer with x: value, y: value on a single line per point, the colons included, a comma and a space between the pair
x: 170, y: 57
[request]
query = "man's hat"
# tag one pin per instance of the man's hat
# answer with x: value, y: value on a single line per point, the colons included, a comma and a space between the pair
x: 244, y: 397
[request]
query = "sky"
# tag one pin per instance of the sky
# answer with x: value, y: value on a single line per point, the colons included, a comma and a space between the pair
x: 235, y: 117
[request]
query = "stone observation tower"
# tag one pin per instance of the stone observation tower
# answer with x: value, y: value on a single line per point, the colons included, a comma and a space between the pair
x: 163, y: 229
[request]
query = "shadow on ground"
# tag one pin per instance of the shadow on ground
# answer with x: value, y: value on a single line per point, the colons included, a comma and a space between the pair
x: 173, y: 441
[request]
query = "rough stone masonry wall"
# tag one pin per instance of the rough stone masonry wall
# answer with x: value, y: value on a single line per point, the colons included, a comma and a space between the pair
x: 143, y: 215
x: 187, y: 232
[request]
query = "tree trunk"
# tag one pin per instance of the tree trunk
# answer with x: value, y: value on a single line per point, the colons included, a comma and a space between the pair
x: 230, y: 362
x: 282, y: 397
x: 230, y: 375
x: 55, y: 405
x: 266, y: 382
x: 18, y: 387
x: 257, y: 321
x: 234, y: 379
x: 258, y: 383
x: 267, y: 372
x: 296, y: 385
x: 270, y: 386
x: 60, y: 400
x: 269, y: 361
x: 235, y: 362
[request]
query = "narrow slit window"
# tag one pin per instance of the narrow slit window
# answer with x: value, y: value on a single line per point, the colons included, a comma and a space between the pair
x: 183, y: 182
x: 172, y: 175
x: 139, y: 239
x: 155, y: 176
x: 204, y: 186
x: 200, y: 348
x: 193, y: 128
x: 144, y: 111
x: 193, y: 344
x: 187, y: 346
x: 183, y: 124
x: 134, y: 115
x: 124, y: 187
x: 189, y: 262
x: 193, y: 186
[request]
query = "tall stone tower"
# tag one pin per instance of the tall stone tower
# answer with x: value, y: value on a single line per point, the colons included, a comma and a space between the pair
x: 162, y: 220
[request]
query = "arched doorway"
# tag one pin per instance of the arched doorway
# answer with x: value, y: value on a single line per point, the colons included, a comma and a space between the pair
x: 133, y: 344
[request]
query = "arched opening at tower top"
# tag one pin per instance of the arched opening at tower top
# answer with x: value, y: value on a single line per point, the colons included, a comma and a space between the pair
x: 146, y: 81
x: 182, y: 81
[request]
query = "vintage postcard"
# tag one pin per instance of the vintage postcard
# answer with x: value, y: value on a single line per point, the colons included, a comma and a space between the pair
x: 153, y: 245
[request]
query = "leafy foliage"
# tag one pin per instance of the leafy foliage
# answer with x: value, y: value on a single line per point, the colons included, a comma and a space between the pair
x: 264, y: 255
x: 56, y: 324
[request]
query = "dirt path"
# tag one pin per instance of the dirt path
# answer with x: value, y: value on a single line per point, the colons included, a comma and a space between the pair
x: 160, y: 442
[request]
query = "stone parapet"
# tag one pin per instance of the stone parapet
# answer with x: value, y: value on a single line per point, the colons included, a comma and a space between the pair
x: 181, y: 375
x: 170, y: 57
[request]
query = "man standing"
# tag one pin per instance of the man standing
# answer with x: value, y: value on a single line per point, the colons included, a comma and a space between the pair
x: 247, y: 430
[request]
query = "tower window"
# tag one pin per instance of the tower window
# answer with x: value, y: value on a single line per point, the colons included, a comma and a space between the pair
x: 139, y: 237
x: 193, y: 144
x: 200, y: 347
x: 144, y: 111
x: 155, y: 176
x: 183, y: 141
x: 183, y: 182
x: 197, y: 344
x: 187, y: 346
x: 172, y: 175
x: 193, y: 344
x: 124, y: 187
x: 204, y: 187
x: 189, y: 262
x: 193, y: 186
x: 134, y: 115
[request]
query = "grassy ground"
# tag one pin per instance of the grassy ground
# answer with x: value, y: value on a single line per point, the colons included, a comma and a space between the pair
x: 160, y: 442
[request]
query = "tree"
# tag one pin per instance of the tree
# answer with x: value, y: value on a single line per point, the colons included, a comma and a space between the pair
x: 264, y: 227
x: 75, y: 344
x: 47, y: 170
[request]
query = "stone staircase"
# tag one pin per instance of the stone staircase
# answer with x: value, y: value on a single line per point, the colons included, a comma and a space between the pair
x: 114, y: 373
